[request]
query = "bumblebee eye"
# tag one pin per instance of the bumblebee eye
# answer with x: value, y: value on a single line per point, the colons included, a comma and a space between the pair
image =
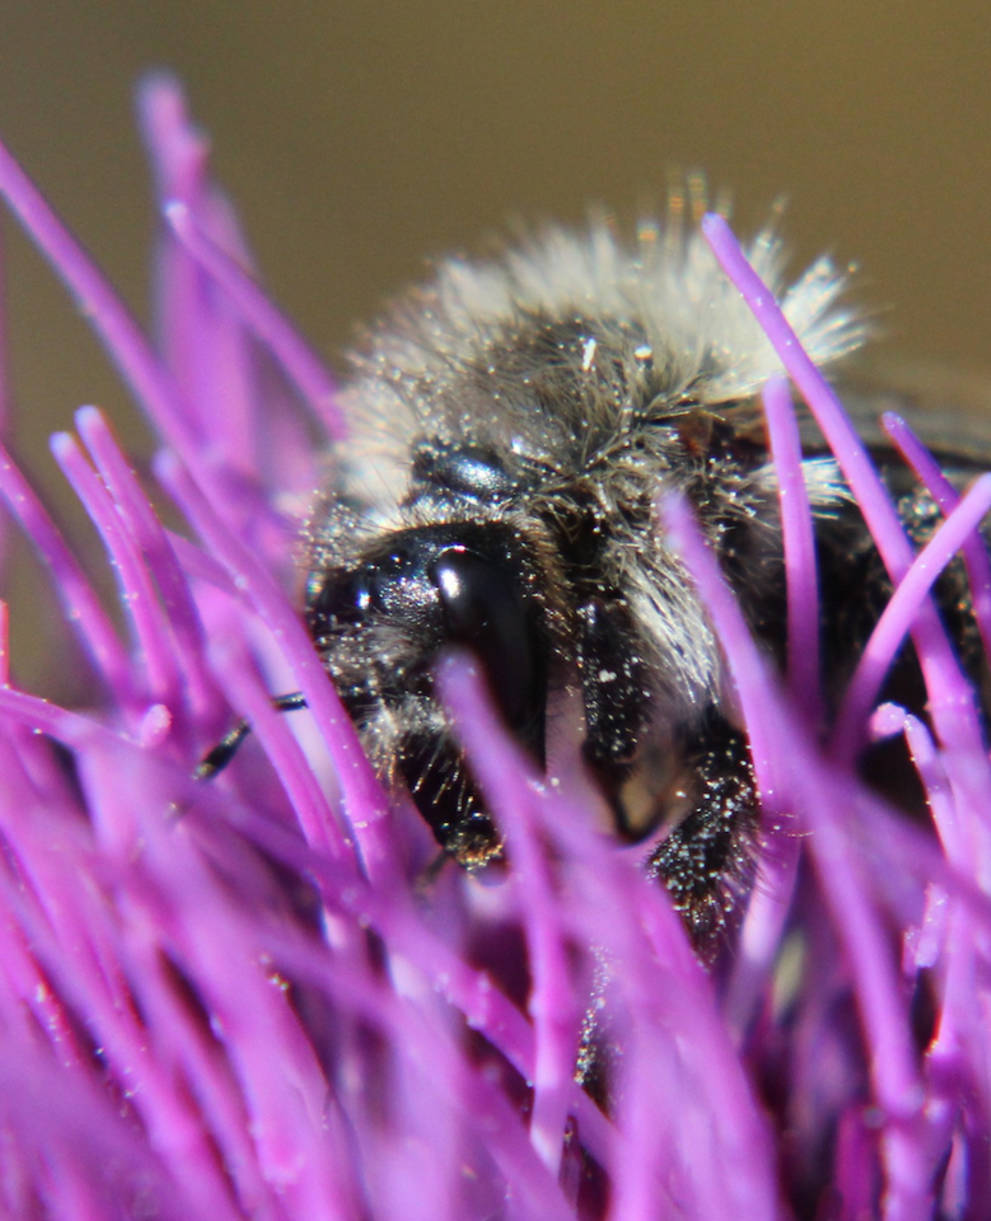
x: 484, y: 609
x: 337, y: 598
x: 341, y: 598
x: 465, y: 471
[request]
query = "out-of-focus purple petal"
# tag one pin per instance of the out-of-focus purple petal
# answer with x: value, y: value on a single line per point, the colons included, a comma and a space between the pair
x: 799, y: 549
x: 80, y: 604
x: 269, y: 325
x: 138, y: 518
x: 156, y: 658
x: 552, y: 1002
x: 122, y: 337
x: 974, y: 552
x: 899, y: 614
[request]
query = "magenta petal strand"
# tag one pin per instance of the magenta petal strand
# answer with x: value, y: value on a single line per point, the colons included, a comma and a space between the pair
x: 139, y: 518
x: 905, y: 605
x: 974, y: 553
x: 799, y: 547
x: 136, y: 593
x: 314, y: 382
x: 123, y: 339
x: 82, y: 607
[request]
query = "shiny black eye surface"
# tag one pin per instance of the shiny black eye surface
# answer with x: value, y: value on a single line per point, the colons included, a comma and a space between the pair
x: 336, y: 599
x: 392, y: 583
x: 485, y: 610
x: 465, y: 471
x: 465, y: 584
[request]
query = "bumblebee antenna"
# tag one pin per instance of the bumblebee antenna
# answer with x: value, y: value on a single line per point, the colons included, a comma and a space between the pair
x: 217, y: 758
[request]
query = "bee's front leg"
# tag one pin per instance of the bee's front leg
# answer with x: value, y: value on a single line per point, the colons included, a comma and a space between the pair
x: 708, y: 861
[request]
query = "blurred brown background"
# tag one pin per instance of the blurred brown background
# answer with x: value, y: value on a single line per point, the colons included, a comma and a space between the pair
x: 358, y: 138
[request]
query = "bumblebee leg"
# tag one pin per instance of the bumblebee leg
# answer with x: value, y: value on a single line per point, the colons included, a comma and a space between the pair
x: 614, y: 697
x: 444, y: 792
x: 707, y: 862
x: 217, y: 758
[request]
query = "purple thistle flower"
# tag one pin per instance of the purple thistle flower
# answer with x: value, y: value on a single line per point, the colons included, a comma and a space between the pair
x: 231, y: 999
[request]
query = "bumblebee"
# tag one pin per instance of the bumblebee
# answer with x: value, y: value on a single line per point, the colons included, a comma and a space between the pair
x: 515, y: 421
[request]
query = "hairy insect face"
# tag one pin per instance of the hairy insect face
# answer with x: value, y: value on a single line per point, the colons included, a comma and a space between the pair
x: 516, y: 422
x: 382, y: 623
